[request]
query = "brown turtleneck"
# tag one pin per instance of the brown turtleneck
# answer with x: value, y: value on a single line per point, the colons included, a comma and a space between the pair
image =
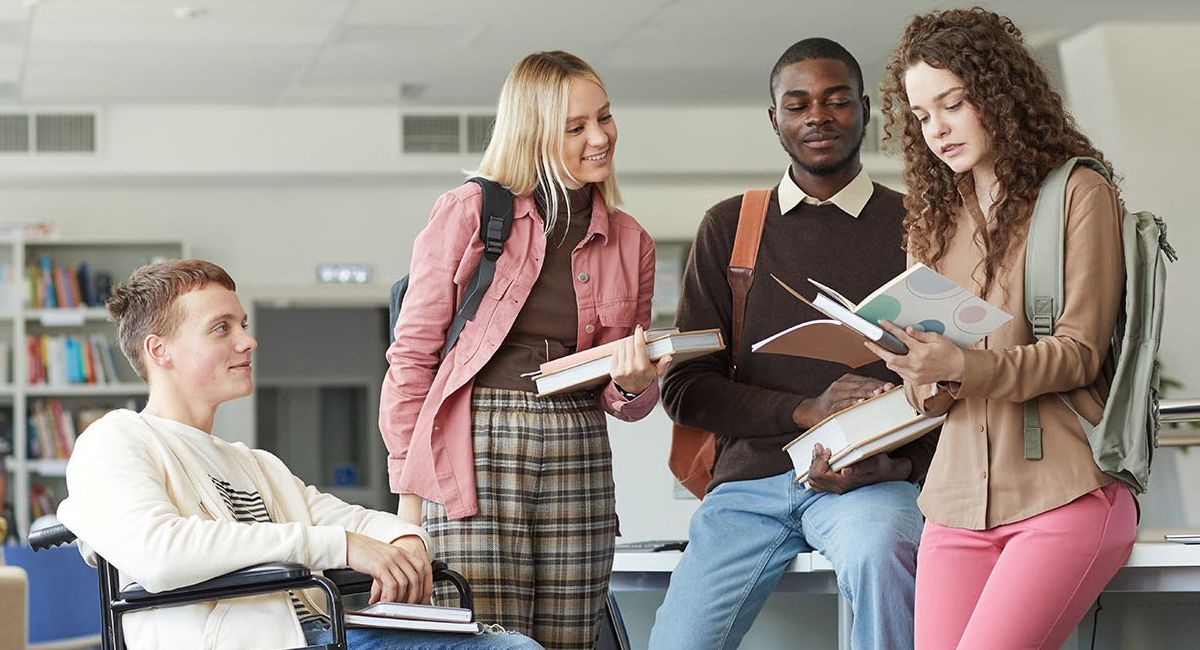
x: 547, y: 325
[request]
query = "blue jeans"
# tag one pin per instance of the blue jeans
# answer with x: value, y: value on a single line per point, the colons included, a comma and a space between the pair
x: 372, y: 639
x: 746, y: 532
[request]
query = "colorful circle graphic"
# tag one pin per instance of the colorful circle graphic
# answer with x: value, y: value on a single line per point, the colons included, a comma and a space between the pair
x: 880, y: 308
x: 931, y: 325
x: 928, y: 284
x: 970, y: 317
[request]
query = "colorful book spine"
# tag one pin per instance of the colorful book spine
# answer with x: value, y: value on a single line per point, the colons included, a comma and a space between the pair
x: 51, y: 298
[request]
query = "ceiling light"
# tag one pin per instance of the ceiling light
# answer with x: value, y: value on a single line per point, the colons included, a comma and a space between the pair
x: 413, y: 90
x: 188, y: 13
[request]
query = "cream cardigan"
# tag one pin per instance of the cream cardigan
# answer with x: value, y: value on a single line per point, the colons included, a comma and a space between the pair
x: 138, y: 499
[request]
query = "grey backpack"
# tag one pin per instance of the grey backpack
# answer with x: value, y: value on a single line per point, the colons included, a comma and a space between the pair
x: 1124, y: 439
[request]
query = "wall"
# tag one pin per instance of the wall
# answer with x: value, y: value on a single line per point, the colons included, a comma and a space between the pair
x: 157, y: 141
x: 1132, y: 88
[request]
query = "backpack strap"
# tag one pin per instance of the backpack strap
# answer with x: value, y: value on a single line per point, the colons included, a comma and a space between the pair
x: 495, y: 225
x: 741, y: 262
x: 1044, y: 274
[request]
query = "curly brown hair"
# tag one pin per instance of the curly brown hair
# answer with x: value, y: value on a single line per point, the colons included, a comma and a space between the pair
x: 1029, y: 130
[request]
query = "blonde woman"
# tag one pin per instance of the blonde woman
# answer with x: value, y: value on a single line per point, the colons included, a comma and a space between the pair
x: 515, y: 490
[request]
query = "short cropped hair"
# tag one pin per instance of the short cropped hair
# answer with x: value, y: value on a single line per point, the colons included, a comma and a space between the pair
x: 816, y: 48
x: 145, y: 303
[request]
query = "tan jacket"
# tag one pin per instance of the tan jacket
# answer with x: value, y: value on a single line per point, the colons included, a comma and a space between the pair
x: 979, y: 478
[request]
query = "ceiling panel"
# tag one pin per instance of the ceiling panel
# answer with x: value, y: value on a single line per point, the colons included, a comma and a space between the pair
x: 215, y: 12
x: 364, y: 51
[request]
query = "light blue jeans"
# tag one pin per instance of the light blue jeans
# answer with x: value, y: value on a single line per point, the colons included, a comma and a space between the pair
x: 370, y: 639
x: 746, y: 532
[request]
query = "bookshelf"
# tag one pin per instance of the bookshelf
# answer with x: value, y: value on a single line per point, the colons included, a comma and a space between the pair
x: 59, y: 365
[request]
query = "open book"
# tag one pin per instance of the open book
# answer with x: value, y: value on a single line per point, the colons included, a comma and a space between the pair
x: 590, y: 367
x: 404, y: 616
x: 879, y: 424
x: 919, y: 297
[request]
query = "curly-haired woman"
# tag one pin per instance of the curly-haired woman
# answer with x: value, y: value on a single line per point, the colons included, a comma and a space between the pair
x: 1014, y: 551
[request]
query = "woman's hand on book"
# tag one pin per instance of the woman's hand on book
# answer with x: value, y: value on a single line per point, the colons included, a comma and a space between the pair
x: 632, y: 371
x: 400, y: 570
x: 876, y: 469
x: 931, y: 357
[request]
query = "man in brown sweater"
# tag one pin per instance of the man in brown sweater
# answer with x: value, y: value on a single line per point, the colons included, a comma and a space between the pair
x: 826, y: 220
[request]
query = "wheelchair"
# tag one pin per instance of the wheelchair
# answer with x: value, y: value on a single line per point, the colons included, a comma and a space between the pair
x: 258, y: 579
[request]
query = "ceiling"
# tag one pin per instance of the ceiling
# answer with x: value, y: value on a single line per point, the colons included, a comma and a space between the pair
x: 453, y: 52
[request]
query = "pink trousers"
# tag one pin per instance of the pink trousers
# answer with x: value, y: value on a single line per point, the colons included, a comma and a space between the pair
x: 1021, y: 585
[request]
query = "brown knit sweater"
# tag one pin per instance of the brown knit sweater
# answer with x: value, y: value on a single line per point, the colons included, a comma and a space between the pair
x: 752, y: 416
x: 546, y: 327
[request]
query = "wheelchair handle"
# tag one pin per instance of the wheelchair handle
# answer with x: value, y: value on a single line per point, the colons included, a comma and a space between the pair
x: 50, y: 536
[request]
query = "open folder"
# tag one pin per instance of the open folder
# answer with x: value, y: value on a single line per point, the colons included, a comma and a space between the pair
x: 919, y: 297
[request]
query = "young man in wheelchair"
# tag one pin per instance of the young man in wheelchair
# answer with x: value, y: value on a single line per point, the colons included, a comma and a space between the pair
x: 170, y: 505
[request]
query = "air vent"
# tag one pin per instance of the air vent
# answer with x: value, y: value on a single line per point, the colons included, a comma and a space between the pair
x: 14, y: 133
x: 431, y: 134
x: 66, y: 133
x: 479, y: 131
x: 47, y: 133
x: 442, y: 133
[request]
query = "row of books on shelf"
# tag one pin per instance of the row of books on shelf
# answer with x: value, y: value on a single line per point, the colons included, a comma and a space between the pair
x: 52, y: 427
x: 42, y: 501
x: 52, y: 286
x: 68, y: 359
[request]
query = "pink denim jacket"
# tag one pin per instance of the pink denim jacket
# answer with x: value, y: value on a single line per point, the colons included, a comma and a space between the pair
x: 425, y: 408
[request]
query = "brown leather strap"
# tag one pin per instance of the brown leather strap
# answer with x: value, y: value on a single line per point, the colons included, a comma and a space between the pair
x: 741, y: 262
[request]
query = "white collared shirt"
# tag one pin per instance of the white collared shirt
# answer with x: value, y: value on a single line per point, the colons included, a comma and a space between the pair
x: 851, y: 199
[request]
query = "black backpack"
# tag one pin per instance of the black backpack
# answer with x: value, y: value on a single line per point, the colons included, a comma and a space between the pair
x: 495, y: 224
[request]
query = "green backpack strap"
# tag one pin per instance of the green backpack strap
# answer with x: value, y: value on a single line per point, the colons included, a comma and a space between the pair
x: 1044, y: 274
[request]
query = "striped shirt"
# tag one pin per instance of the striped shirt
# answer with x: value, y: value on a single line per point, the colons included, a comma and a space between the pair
x: 247, y: 506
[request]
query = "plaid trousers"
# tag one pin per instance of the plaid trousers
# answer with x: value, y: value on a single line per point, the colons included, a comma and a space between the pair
x: 539, y: 553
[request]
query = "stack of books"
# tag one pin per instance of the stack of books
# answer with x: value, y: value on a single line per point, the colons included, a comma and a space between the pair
x: 591, y: 367
x: 875, y: 426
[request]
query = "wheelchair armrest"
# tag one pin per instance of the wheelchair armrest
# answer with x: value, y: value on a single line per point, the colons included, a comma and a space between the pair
x: 349, y: 581
x: 260, y: 575
x: 50, y: 536
x: 442, y: 572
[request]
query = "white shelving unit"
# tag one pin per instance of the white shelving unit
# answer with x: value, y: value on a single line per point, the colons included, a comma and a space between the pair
x: 117, y: 258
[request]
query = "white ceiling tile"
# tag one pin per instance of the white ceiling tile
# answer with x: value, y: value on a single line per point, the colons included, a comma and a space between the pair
x: 181, y: 34
x: 217, y: 12
x: 347, y: 51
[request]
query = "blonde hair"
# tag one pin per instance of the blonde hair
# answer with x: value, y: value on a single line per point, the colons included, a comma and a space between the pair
x: 526, y: 147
